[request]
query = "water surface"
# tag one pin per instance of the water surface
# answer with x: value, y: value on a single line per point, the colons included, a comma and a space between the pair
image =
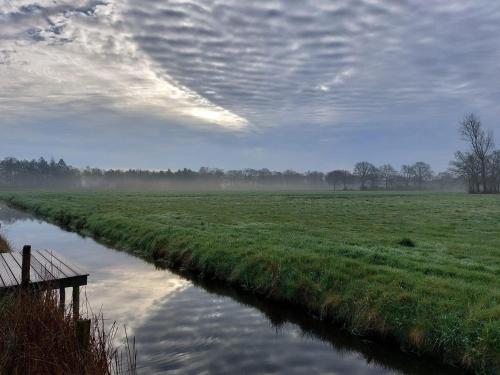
x: 184, y: 327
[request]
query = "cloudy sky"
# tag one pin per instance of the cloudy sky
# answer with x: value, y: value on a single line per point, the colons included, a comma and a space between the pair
x: 302, y: 84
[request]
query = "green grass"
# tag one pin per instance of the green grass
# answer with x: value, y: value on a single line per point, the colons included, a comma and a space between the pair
x: 423, y: 269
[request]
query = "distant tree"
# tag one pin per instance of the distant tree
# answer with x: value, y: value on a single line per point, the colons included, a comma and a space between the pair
x: 407, y: 175
x: 292, y: 178
x: 388, y: 174
x: 8, y: 170
x: 422, y: 172
x: 374, y: 178
x: 250, y: 175
x: 234, y: 177
x: 445, y: 181
x: 495, y: 171
x: 42, y: 174
x: 466, y: 166
x: 334, y: 178
x: 345, y: 178
x: 481, y: 144
x: 314, y: 178
x: 264, y: 176
x: 364, y: 170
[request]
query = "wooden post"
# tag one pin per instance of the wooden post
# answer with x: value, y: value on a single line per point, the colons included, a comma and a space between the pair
x: 62, y: 298
x: 76, y: 302
x: 83, y: 333
x: 25, y: 267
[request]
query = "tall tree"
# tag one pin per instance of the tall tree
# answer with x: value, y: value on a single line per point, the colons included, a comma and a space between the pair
x: 388, y: 173
x: 495, y: 171
x: 335, y: 178
x: 407, y: 174
x: 364, y: 170
x: 480, y: 142
x: 466, y: 166
x: 422, y: 172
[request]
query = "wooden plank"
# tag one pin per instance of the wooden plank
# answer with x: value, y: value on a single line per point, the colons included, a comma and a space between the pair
x: 51, y: 263
x: 1, y: 279
x: 13, y: 267
x: 59, y: 270
x: 46, y: 269
x: 83, y: 334
x: 62, y: 298
x: 72, y: 281
x: 34, y: 276
x: 26, y: 266
x: 3, y: 273
x: 76, y: 302
x: 40, y: 271
x: 8, y: 277
x: 72, y: 266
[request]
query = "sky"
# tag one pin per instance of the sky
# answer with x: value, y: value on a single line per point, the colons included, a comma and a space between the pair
x: 282, y: 84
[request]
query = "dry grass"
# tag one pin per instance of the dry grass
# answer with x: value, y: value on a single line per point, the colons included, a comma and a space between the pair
x: 36, y: 337
x: 4, y: 245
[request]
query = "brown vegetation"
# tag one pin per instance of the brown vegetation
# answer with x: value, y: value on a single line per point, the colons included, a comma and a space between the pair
x: 4, y: 245
x: 36, y: 337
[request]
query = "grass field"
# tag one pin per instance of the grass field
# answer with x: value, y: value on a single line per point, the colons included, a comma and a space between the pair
x: 423, y: 269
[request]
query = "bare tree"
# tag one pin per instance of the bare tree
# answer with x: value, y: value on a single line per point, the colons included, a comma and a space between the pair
x: 364, y: 171
x: 333, y: 178
x: 407, y: 174
x: 421, y: 172
x: 346, y: 178
x: 337, y: 177
x: 466, y: 166
x: 480, y: 142
x: 495, y: 171
x: 388, y: 173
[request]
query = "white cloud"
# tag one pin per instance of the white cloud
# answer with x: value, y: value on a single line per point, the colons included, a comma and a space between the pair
x: 235, y: 63
x: 81, y: 53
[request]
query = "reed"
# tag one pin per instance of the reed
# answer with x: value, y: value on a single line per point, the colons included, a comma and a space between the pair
x: 4, y: 245
x: 36, y: 337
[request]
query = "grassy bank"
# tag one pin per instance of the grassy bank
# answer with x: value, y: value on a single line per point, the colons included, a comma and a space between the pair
x: 423, y: 269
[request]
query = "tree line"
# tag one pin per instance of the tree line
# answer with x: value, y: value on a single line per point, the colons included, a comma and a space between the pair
x: 366, y: 176
x: 34, y: 174
x: 477, y: 169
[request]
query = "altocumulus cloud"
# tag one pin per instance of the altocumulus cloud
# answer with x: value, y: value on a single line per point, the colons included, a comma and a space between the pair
x: 243, y: 64
x: 325, y: 62
x: 78, y: 55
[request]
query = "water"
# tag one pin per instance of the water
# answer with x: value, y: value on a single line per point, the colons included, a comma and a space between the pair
x: 182, y: 327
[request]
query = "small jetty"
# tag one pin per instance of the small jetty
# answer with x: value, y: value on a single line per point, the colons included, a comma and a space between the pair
x: 43, y: 270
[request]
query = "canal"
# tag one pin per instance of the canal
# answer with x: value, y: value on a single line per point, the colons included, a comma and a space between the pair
x: 182, y: 326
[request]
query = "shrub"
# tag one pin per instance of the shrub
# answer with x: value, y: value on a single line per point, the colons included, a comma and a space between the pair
x: 408, y: 242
